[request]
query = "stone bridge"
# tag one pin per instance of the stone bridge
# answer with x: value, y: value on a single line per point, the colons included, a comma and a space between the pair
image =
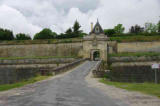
x: 69, y: 89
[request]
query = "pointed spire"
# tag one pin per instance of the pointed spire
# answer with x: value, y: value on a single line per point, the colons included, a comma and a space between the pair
x: 97, y: 20
x: 97, y: 28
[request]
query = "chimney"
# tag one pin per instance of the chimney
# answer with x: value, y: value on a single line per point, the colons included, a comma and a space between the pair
x: 91, y: 26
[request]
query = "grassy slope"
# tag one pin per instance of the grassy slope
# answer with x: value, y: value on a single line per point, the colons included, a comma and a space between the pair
x: 136, y: 38
x: 35, y: 57
x: 131, y: 38
x: 147, y: 88
x: 138, y: 54
x: 22, y: 83
x: 43, y: 41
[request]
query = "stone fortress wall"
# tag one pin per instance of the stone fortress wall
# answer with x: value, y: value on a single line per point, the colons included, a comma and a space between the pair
x: 12, y: 71
x: 72, y: 49
x: 139, y: 47
x: 26, y: 68
x: 32, y: 50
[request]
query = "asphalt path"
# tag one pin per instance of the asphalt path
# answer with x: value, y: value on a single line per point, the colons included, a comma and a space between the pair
x: 68, y: 90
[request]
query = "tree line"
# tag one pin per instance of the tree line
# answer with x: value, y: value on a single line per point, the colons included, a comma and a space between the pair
x: 46, y: 33
x: 75, y: 32
x: 148, y: 29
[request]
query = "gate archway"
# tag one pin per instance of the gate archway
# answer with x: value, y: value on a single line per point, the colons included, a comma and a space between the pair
x: 95, y: 55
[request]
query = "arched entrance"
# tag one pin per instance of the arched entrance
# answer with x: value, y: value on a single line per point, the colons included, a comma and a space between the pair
x: 95, y: 55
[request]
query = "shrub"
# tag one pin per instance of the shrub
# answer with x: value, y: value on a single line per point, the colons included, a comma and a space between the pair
x: 109, y: 32
x: 6, y: 34
x: 22, y: 36
x: 45, y: 34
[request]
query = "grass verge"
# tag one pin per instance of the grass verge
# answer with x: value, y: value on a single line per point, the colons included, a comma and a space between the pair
x: 136, y: 38
x: 134, y: 54
x: 37, y: 57
x: 146, y: 88
x: 22, y: 83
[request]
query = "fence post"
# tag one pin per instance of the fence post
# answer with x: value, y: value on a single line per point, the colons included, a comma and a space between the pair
x: 156, y: 80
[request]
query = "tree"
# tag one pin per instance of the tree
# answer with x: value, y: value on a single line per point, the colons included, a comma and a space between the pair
x: 76, y: 26
x: 69, y: 33
x: 6, y: 34
x: 76, y: 29
x: 109, y: 32
x: 136, y: 29
x: 72, y: 32
x: 119, y: 29
x: 158, y: 26
x: 45, y: 34
x: 22, y: 36
x: 151, y: 28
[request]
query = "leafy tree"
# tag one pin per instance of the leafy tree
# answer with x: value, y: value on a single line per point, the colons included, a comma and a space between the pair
x: 158, y: 26
x: 119, y: 29
x: 22, y: 36
x: 136, y: 29
x: 109, y: 32
x: 45, y: 34
x: 82, y: 34
x: 69, y: 33
x: 6, y: 34
x: 151, y: 28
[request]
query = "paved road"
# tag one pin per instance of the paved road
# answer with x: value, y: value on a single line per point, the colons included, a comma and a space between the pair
x: 69, y: 90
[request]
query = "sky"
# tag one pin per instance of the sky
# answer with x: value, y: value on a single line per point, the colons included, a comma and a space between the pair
x: 31, y: 16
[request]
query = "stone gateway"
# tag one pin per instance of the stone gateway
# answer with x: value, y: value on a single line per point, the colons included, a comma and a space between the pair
x: 95, y: 45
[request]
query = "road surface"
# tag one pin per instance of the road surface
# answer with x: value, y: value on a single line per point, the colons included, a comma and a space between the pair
x: 69, y: 90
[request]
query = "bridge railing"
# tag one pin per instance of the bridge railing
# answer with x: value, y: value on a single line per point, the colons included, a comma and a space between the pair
x: 67, y: 67
x: 98, y: 70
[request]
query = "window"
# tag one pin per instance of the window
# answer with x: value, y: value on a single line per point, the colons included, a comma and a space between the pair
x: 97, y: 29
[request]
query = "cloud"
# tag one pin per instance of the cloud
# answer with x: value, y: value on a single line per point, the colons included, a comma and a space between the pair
x: 12, y: 19
x: 61, y: 14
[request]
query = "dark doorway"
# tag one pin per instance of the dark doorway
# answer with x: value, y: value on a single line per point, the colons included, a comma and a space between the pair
x: 96, y: 55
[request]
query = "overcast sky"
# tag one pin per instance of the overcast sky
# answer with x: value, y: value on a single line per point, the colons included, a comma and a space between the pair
x: 30, y: 16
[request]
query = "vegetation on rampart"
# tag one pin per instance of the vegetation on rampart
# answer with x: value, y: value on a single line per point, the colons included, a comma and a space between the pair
x: 47, y: 41
x: 137, y: 54
x: 136, y: 38
x: 37, y: 57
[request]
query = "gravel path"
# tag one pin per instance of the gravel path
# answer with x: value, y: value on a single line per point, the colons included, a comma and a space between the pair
x: 128, y: 97
x: 69, y: 89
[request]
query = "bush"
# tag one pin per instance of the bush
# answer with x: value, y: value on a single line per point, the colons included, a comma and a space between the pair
x: 45, y: 34
x: 22, y: 36
x: 109, y: 32
x: 136, y: 38
x: 6, y: 34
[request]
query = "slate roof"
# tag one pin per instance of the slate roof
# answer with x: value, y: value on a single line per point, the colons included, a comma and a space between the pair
x: 100, y: 30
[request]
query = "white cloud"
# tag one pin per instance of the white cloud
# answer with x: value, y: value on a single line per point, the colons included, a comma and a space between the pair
x: 61, y: 14
x: 12, y: 19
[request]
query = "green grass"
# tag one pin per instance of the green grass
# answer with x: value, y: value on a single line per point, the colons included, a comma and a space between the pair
x: 43, y: 41
x: 136, y: 38
x: 22, y: 83
x: 35, y: 57
x: 138, y: 54
x: 146, y: 88
x: 125, y: 38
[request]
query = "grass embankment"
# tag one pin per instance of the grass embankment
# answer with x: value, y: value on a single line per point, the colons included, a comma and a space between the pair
x: 22, y: 83
x: 35, y: 57
x: 124, y: 38
x: 134, y: 54
x: 43, y: 41
x: 136, y: 38
x: 146, y: 88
